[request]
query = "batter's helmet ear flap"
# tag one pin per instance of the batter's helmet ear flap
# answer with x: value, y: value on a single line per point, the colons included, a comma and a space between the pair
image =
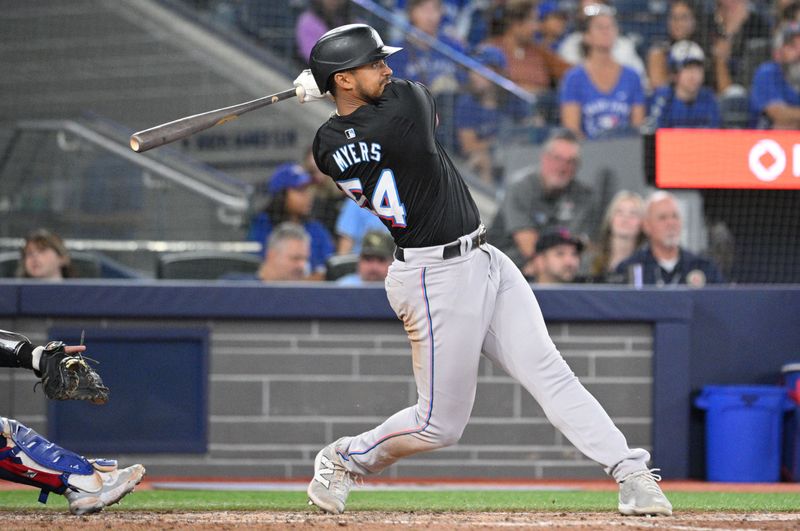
x: 344, y: 48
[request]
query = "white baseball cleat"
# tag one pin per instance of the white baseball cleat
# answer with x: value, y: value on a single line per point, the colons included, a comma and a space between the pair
x: 116, y: 485
x: 332, y: 481
x: 639, y: 494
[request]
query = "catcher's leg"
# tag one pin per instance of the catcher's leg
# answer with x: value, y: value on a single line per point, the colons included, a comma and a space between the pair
x: 90, y: 485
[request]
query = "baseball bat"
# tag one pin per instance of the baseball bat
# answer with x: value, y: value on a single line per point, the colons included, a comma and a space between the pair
x: 189, y: 125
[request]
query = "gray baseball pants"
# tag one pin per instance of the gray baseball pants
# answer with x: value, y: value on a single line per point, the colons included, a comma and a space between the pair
x: 454, y: 310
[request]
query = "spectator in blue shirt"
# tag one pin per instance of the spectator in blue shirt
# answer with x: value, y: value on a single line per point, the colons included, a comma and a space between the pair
x: 600, y: 97
x: 453, y: 11
x: 662, y: 260
x: 420, y: 62
x: 685, y: 102
x: 775, y: 94
x: 291, y: 199
x: 351, y: 226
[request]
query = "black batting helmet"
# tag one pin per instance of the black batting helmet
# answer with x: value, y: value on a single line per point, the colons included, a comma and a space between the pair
x: 343, y: 48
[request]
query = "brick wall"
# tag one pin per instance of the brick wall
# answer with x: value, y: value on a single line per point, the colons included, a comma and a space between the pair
x: 280, y: 390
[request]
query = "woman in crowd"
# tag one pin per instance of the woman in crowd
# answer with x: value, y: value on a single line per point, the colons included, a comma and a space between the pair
x: 44, y: 256
x: 601, y: 97
x: 620, y: 235
x: 623, y: 51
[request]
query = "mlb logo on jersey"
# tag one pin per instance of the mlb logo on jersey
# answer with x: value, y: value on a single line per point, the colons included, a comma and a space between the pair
x: 350, y: 133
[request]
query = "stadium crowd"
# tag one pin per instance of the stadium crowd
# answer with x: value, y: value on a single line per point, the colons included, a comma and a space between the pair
x: 597, y: 71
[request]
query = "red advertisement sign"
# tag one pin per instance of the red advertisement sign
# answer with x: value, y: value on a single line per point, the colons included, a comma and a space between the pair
x: 728, y: 158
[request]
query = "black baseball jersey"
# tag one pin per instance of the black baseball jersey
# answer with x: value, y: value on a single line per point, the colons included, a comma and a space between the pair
x: 385, y: 157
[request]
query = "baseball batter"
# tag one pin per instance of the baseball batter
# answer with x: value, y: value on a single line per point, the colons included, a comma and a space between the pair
x: 457, y: 296
x: 26, y: 457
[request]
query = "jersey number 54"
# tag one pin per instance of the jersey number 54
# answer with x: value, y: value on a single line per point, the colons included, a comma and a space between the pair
x: 385, y: 202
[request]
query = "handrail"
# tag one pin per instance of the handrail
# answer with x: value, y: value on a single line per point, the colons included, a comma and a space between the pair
x: 453, y: 55
x: 156, y: 246
x: 231, y: 201
x: 121, y: 133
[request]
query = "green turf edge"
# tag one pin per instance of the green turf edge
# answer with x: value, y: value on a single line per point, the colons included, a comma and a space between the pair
x: 430, y: 501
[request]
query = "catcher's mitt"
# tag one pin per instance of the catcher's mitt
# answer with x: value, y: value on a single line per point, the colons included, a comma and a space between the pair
x: 69, y: 377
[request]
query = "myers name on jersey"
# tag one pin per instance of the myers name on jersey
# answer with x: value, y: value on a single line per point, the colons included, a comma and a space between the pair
x: 356, y: 152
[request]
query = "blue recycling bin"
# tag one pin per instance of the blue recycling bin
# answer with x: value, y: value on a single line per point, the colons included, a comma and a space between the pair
x: 744, y: 424
x: 790, y: 376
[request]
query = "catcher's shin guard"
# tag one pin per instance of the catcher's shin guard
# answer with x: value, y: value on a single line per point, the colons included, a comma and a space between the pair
x: 28, y: 458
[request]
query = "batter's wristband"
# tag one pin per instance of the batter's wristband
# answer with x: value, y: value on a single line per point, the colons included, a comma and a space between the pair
x: 25, y: 356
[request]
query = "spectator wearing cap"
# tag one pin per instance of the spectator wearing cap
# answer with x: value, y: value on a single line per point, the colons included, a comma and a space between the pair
x: 558, y: 257
x: 532, y: 66
x: 685, y: 102
x: 543, y: 199
x: 601, y: 98
x: 553, y: 22
x: 377, y: 253
x: 662, y: 260
x: 775, y: 94
x: 480, y: 113
x: 290, y: 199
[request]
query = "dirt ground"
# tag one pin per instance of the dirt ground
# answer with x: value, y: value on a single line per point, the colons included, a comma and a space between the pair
x: 120, y: 519
x: 379, y: 521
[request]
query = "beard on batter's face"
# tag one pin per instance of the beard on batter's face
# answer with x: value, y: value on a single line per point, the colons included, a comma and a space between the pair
x: 372, y: 90
x: 371, y: 80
